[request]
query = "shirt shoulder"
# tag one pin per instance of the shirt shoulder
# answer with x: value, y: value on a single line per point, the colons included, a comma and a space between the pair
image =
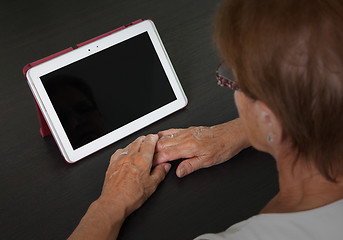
x: 321, y: 223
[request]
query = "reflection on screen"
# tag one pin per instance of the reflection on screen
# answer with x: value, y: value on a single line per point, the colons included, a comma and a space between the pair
x: 109, y: 89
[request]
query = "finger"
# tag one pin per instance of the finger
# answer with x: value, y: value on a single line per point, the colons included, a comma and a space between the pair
x: 181, y: 150
x: 174, y: 138
x: 189, y: 165
x: 132, y: 147
x: 135, y: 145
x: 157, y: 175
x: 169, y: 132
x: 148, y: 147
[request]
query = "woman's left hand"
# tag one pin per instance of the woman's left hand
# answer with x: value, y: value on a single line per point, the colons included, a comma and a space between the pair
x: 201, y: 147
x: 129, y: 180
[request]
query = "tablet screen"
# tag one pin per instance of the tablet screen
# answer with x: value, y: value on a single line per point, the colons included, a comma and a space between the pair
x: 107, y: 90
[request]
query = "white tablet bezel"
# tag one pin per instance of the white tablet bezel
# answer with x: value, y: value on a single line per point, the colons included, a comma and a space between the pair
x: 33, y: 75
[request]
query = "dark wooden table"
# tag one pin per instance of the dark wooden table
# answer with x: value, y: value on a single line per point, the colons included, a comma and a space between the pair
x: 43, y: 197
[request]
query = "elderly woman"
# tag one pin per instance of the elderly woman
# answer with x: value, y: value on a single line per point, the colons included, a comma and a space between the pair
x: 287, y: 61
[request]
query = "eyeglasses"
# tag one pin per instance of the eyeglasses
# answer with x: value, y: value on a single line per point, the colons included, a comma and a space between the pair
x: 225, y: 77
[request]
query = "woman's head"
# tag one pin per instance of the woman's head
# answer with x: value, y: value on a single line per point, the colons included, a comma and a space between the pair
x: 288, y: 54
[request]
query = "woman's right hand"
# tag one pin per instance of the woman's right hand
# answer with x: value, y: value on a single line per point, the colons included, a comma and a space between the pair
x: 130, y: 178
x: 201, y: 147
x: 129, y: 181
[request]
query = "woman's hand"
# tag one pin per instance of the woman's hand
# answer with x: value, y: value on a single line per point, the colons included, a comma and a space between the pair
x: 129, y: 181
x: 201, y: 146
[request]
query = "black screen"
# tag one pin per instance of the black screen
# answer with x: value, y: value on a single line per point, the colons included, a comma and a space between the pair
x: 109, y: 89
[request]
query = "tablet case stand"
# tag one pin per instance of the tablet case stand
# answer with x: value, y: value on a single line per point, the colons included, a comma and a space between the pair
x: 44, y: 128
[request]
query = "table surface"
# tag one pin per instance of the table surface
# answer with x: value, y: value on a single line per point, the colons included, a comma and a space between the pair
x: 43, y: 197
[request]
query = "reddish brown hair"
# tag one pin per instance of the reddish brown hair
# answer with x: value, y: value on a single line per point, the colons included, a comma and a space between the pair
x: 289, y: 54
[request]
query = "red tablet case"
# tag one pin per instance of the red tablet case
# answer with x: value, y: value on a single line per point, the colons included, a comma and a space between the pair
x: 44, y: 128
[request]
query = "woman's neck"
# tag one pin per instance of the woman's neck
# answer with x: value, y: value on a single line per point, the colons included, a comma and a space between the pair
x: 302, y: 187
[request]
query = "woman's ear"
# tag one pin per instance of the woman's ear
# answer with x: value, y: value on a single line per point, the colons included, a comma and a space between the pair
x: 269, y: 123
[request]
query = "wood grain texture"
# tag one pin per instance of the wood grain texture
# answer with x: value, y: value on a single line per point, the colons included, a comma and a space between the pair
x: 43, y: 197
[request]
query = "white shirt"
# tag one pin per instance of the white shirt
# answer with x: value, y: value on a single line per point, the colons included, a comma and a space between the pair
x: 321, y: 223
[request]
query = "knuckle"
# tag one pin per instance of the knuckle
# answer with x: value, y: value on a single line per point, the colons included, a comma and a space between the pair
x: 200, y: 132
x: 197, y: 131
x: 117, y: 151
x: 140, y: 139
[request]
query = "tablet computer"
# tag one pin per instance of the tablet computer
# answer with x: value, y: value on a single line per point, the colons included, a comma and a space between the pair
x: 105, y: 89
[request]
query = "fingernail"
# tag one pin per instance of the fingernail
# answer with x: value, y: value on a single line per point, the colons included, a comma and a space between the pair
x: 182, y: 172
x: 167, y: 167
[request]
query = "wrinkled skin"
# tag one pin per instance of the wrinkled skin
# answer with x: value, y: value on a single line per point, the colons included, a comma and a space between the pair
x: 201, y: 147
x: 129, y: 179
